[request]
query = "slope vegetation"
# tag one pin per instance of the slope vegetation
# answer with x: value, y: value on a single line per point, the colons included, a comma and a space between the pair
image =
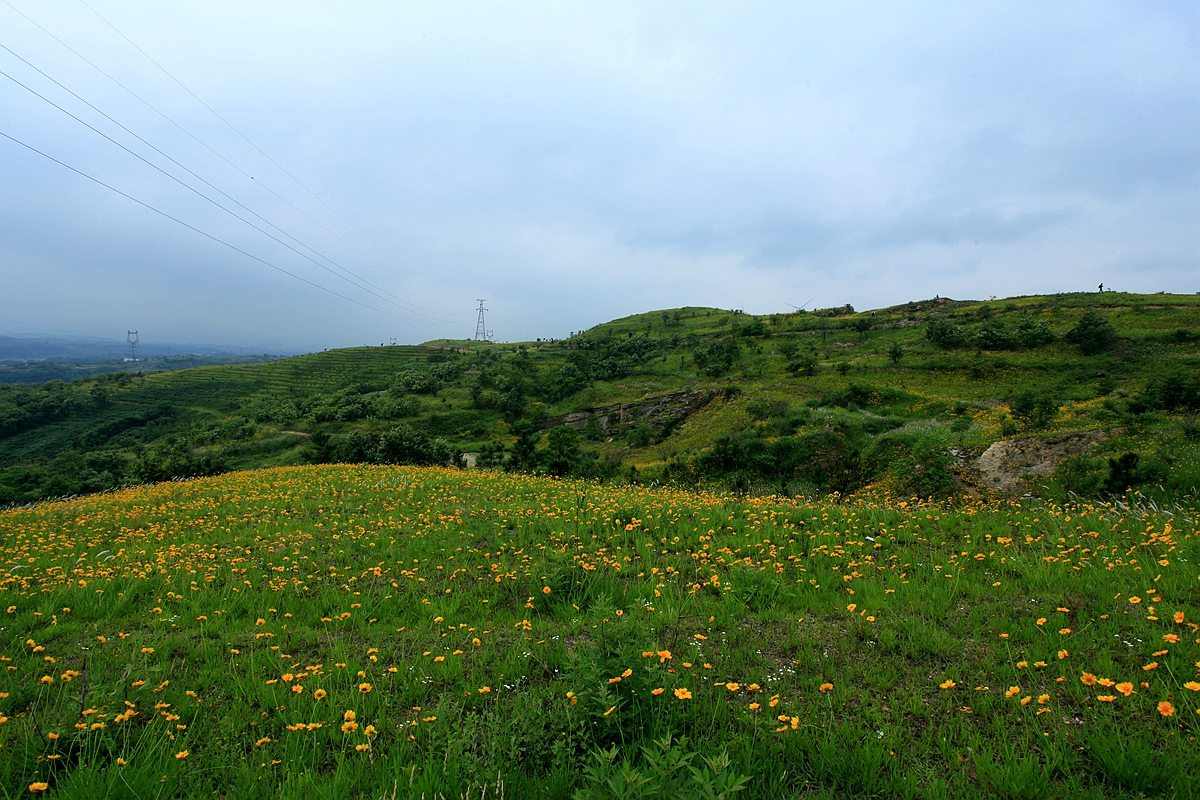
x: 1099, y: 393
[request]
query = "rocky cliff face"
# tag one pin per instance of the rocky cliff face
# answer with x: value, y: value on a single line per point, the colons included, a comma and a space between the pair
x: 665, y: 409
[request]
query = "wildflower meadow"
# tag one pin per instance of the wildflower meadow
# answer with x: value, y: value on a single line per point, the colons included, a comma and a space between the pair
x: 362, y: 631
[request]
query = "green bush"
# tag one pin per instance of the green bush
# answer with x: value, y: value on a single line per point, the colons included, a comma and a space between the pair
x: 1093, y: 333
x: 1034, y: 410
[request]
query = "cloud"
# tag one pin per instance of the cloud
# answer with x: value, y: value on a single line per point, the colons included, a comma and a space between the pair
x: 578, y: 163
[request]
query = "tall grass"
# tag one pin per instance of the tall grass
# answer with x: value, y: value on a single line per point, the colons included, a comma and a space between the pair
x: 372, y: 631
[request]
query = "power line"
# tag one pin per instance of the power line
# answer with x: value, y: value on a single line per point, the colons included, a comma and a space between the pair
x: 216, y: 239
x: 243, y: 136
x: 201, y: 194
x: 397, y: 300
x: 243, y: 172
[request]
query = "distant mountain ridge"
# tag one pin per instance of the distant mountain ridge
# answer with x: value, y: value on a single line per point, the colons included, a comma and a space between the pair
x: 78, y: 349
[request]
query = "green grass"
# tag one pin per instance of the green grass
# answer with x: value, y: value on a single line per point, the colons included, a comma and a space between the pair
x: 153, y: 640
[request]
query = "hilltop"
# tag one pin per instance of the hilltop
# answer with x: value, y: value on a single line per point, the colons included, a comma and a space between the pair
x: 1086, y: 393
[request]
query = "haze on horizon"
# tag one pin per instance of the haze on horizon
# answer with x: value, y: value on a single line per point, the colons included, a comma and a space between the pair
x: 575, y: 163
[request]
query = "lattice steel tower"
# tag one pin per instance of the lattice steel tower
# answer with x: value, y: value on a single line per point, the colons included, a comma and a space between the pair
x: 481, y: 331
x: 133, y: 339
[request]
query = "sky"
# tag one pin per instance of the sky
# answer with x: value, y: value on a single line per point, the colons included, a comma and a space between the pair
x: 301, y: 175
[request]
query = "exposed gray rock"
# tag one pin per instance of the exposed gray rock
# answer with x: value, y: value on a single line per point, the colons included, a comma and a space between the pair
x: 1008, y: 466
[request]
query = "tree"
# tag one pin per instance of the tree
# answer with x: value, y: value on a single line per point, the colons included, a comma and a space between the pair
x: 945, y: 335
x: 1093, y: 333
x: 896, y: 352
x: 804, y: 364
x: 714, y: 359
x: 1034, y: 410
x: 523, y: 449
x: 562, y: 450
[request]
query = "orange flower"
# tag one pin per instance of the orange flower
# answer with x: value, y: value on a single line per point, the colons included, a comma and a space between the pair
x: 1170, y: 637
x: 610, y: 710
x: 683, y: 694
x: 1025, y: 700
x: 1013, y: 691
x: 38, y: 786
x: 1106, y: 698
x: 947, y: 684
x: 1125, y: 688
x: 1088, y: 678
x: 484, y: 689
x: 545, y: 590
x: 825, y: 687
x: 1166, y: 709
x: 1179, y: 616
x: 319, y: 694
x: 657, y: 692
x: 1150, y: 666
x: 1193, y: 685
x: 182, y: 754
x: 1063, y: 654
x: 733, y: 687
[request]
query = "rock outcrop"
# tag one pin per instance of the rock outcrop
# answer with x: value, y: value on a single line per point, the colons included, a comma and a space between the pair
x: 665, y: 409
x: 1008, y: 466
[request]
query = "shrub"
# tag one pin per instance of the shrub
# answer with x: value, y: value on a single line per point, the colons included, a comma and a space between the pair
x: 714, y: 359
x: 1034, y: 410
x: 416, y: 382
x: 945, y: 335
x: 1093, y: 333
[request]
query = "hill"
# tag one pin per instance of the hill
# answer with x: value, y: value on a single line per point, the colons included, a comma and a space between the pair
x: 1088, y: 394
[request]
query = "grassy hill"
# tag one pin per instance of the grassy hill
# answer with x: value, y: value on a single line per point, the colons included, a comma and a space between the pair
x: 902, y: 400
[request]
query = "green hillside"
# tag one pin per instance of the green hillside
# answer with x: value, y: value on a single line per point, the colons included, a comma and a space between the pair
x: 1099, y: 393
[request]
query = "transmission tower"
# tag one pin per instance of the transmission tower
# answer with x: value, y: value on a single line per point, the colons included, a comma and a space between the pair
x: 133, y: 339
x: 481, y: 331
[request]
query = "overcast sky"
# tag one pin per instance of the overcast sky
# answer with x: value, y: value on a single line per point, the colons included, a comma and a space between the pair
x: 575, y: 162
